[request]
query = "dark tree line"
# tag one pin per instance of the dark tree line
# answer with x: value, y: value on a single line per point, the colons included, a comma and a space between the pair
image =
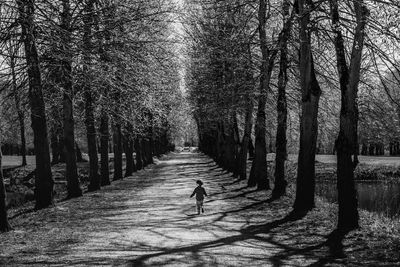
x: 291, y: 55
x: 92, y: 65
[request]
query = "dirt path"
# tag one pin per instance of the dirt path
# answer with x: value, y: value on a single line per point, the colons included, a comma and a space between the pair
x: 148, y: 220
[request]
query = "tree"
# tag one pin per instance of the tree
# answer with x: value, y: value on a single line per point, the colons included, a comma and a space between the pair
x: 259, y: 168
x: 281, y: 153
x: 73, y: 186
x: 43, y: 178
x: 310, y: 94
x: 4, y: 225
x: 88, y: 18
x: 349, y: 77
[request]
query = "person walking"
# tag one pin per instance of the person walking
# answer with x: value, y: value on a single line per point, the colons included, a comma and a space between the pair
x: 200, y: 192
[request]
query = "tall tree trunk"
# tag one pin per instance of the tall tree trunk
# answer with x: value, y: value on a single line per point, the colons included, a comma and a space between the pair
x: 117, y: 139
x: 138, y: 150
x: 236, y: 146
x: 4, y: 225
x: 21, y: 119
x: 61, y: 151
x: 129, y: 156
x: 347, y: 140
x: 311, y: 92
x: 229, y: 156
x: 246, y: 139
x: 104, y: 140
x: 43, y: 180
x: 259, y: 169
x: 79, y: 156
x: 145, y: 154
x: 73, y: 187
x: 151, y: 146
x: 280, y: 158
x: 220, y: 144
x: 251, y: 148
x: 94, y: 176
x: 104, y: 46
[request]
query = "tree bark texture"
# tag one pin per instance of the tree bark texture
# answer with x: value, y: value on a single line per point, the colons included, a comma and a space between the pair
x: 94, y: 176
x: 117, y: 140
x: 281, y: 141
x: 259, y: 169
x: 129, y: 156
x: 138, y: 150
x: 43, y: 180
x: 4, y: 224
x: 104, y: 140
x: 73, y: 186
x: 346, y: 142
x: 311, y: 92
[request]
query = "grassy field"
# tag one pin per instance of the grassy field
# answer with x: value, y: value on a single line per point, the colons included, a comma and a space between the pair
x: 14, y: 161
x: 369, y: 160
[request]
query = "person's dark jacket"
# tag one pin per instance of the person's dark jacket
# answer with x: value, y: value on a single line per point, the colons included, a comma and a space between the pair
x: 200, y: 192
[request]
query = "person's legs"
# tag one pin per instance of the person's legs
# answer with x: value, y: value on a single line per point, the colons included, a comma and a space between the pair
x: 198, y: 206
x: 201, y: 206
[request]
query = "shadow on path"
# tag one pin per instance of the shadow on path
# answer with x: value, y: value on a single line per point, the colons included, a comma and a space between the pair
x: 149, y: 220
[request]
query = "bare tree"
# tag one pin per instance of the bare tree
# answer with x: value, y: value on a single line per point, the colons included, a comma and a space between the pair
x: 44, y: 181
x: 310, y: 94
x: 349, y: 77
x: 73, y: 186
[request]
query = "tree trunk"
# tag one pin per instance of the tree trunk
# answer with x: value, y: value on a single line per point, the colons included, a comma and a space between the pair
x: 117, y: 139
x: 104, y: 140
x: 94, y: 177
x: 61, y: 151
x: 259, y: 169
x: 230, y: 161
x: 364, y: 149
x: 145, y: 152
x: 347, y: 140
x: 236, y: 146
x: 4, y: 225
x: 129, y: 156
x: 219, y: 147
x: 21, y: 119
x: 246, y: 139
x: 251, y: 148
x: 311, y: 92
x: 151, y: 146
x: 43, y: 180
x: 73, y: 186
x: 138, y: 150
x: 281, y: 153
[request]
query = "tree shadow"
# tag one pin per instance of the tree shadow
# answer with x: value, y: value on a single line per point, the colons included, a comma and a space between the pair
x: 150, y: 232
x: 246, y: 233
x: 23, y: 212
